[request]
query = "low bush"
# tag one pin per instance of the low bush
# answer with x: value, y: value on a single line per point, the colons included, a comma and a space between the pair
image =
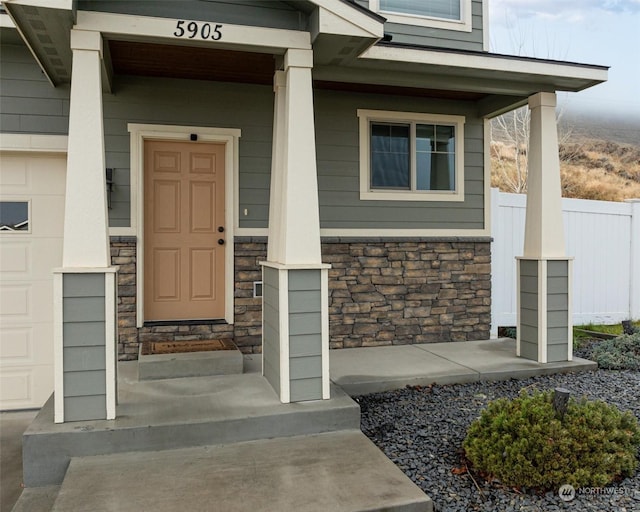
x: 523, y: 443
x: 621, y: 353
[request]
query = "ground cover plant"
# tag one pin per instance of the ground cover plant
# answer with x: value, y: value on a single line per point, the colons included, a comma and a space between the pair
x: 526, y: 443
x: 621, y: 353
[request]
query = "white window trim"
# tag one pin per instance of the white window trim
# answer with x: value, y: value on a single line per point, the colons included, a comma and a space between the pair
x: 367, y: 194
x: 228, y: 136
x: 461, y: 25
x: 19, y: 199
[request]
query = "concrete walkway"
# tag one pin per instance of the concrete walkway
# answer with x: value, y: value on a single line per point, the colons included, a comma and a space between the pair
x: 340, y: 472
x: 12, y: 426
x: 283, y: 461
x: 359, y: 371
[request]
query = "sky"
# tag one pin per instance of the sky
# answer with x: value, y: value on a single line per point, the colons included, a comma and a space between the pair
x: 603, y: 32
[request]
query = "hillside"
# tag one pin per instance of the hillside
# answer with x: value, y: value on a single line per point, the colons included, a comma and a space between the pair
x: 594, y: 164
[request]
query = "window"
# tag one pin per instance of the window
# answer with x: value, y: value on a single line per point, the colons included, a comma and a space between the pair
x: 411, y: 157
x: 446, y: 14
x: 448, y: 9
x: 14, y: 216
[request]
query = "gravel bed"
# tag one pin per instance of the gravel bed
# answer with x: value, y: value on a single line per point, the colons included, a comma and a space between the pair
x: 421, y: 430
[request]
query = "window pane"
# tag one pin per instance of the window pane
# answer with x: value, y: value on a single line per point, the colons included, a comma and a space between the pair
x: 445, y: 139
x: 390, y: 156
x: 435, y: 157
x: 448, y: 9
x: 425, y: 137
x: 14, y: 216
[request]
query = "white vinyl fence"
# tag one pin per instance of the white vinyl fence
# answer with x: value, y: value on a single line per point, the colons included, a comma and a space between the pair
x: 602, y: 236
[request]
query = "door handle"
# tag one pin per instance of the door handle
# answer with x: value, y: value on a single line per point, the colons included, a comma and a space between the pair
x: 220, y: 229
x: 220, y: 241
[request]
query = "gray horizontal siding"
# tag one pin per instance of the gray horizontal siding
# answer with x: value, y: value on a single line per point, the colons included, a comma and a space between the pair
x: 250, y: 108
x: 529, y: 350
x: 271, y: 326
x: 87, y: 383
x: 558, y: 335
x: 28, y: 102
x: 337, y: 143
x: 306, y: 389
x: 557, y: 353
x: 82, y: 334
x: 84, y: 359
x: 259, y: 13
x: 79, y: 358
x: 83, y: 285
x: 82, y: 408
x: 425, y: 36
x: 529, y: 309
x: 304, y: 345
x: 193, y: 103
x: 305, y: 335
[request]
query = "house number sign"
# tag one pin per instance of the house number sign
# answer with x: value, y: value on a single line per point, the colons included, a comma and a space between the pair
x: 193, y: 29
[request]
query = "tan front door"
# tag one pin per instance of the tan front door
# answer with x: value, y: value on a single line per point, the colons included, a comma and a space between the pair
x: 183, y: 230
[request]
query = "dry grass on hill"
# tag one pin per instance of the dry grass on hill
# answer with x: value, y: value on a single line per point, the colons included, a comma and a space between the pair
x: 590, y: 169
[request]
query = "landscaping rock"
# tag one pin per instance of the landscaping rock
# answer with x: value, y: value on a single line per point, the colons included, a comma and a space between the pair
x: 421, y: 430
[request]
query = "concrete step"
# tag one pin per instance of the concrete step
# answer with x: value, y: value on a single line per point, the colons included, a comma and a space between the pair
x: 340, y: 471
x: 179, y: 413
x: 37, y: 499
x: 226, y: 361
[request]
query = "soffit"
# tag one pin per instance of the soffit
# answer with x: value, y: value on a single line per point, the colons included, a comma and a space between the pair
x: 197, y: 63
x: 45, y: 30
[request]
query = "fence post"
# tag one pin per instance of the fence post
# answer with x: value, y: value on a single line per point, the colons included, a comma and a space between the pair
x: 634, y: 271
x: 495, y: 257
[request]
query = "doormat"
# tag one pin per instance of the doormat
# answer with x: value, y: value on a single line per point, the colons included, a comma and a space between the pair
x: 179, y: 347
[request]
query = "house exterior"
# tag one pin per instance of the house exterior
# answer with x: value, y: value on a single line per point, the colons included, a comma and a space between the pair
x: 295, y: 176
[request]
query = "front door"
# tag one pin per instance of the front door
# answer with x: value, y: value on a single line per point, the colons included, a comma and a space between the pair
x: 184, y: 230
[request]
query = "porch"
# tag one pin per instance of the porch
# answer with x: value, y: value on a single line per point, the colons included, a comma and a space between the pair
x: 168, y: 420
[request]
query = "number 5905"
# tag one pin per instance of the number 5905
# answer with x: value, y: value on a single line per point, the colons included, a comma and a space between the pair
x: 193, y: 29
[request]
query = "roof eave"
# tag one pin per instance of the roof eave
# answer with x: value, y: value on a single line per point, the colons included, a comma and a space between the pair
x: 559, y: 75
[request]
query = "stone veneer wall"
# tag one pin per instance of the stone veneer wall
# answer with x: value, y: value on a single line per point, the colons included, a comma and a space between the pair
x: 247, y: 330
x: 397, y: 291
x: 382, y: 291
x: 123, y: 255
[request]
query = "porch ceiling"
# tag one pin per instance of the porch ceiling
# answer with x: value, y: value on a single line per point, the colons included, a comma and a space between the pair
x: 195, y: 63
x: 172, y: 61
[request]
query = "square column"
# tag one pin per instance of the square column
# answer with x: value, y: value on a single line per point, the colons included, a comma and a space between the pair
x: 85, y: 288
x: 545, y: 327
x: 295, y: 323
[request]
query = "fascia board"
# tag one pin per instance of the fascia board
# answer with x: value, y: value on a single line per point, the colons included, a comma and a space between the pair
x: 349, y: 14
x: 489, y: 63
x: 66, y: 5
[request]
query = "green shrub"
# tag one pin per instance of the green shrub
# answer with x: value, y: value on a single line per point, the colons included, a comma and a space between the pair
x: 621, y: 353
x: 523, y: 443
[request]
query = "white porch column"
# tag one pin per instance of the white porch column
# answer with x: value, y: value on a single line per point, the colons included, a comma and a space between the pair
x: 544, y: 271
x: 86, y: 241
x: 295, y: 324
x: 85, y: 288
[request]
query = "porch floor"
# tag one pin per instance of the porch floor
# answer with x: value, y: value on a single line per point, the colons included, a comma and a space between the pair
x: 219, y: 417
x: 359, y: 371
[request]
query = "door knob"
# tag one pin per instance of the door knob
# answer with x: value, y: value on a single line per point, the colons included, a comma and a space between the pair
x: 220, y: 241
x: 220, y: 229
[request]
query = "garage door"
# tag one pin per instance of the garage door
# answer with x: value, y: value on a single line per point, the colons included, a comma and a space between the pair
x: 31, y: 225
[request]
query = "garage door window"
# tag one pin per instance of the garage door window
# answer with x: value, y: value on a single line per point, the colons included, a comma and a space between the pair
x: 14, y: 216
